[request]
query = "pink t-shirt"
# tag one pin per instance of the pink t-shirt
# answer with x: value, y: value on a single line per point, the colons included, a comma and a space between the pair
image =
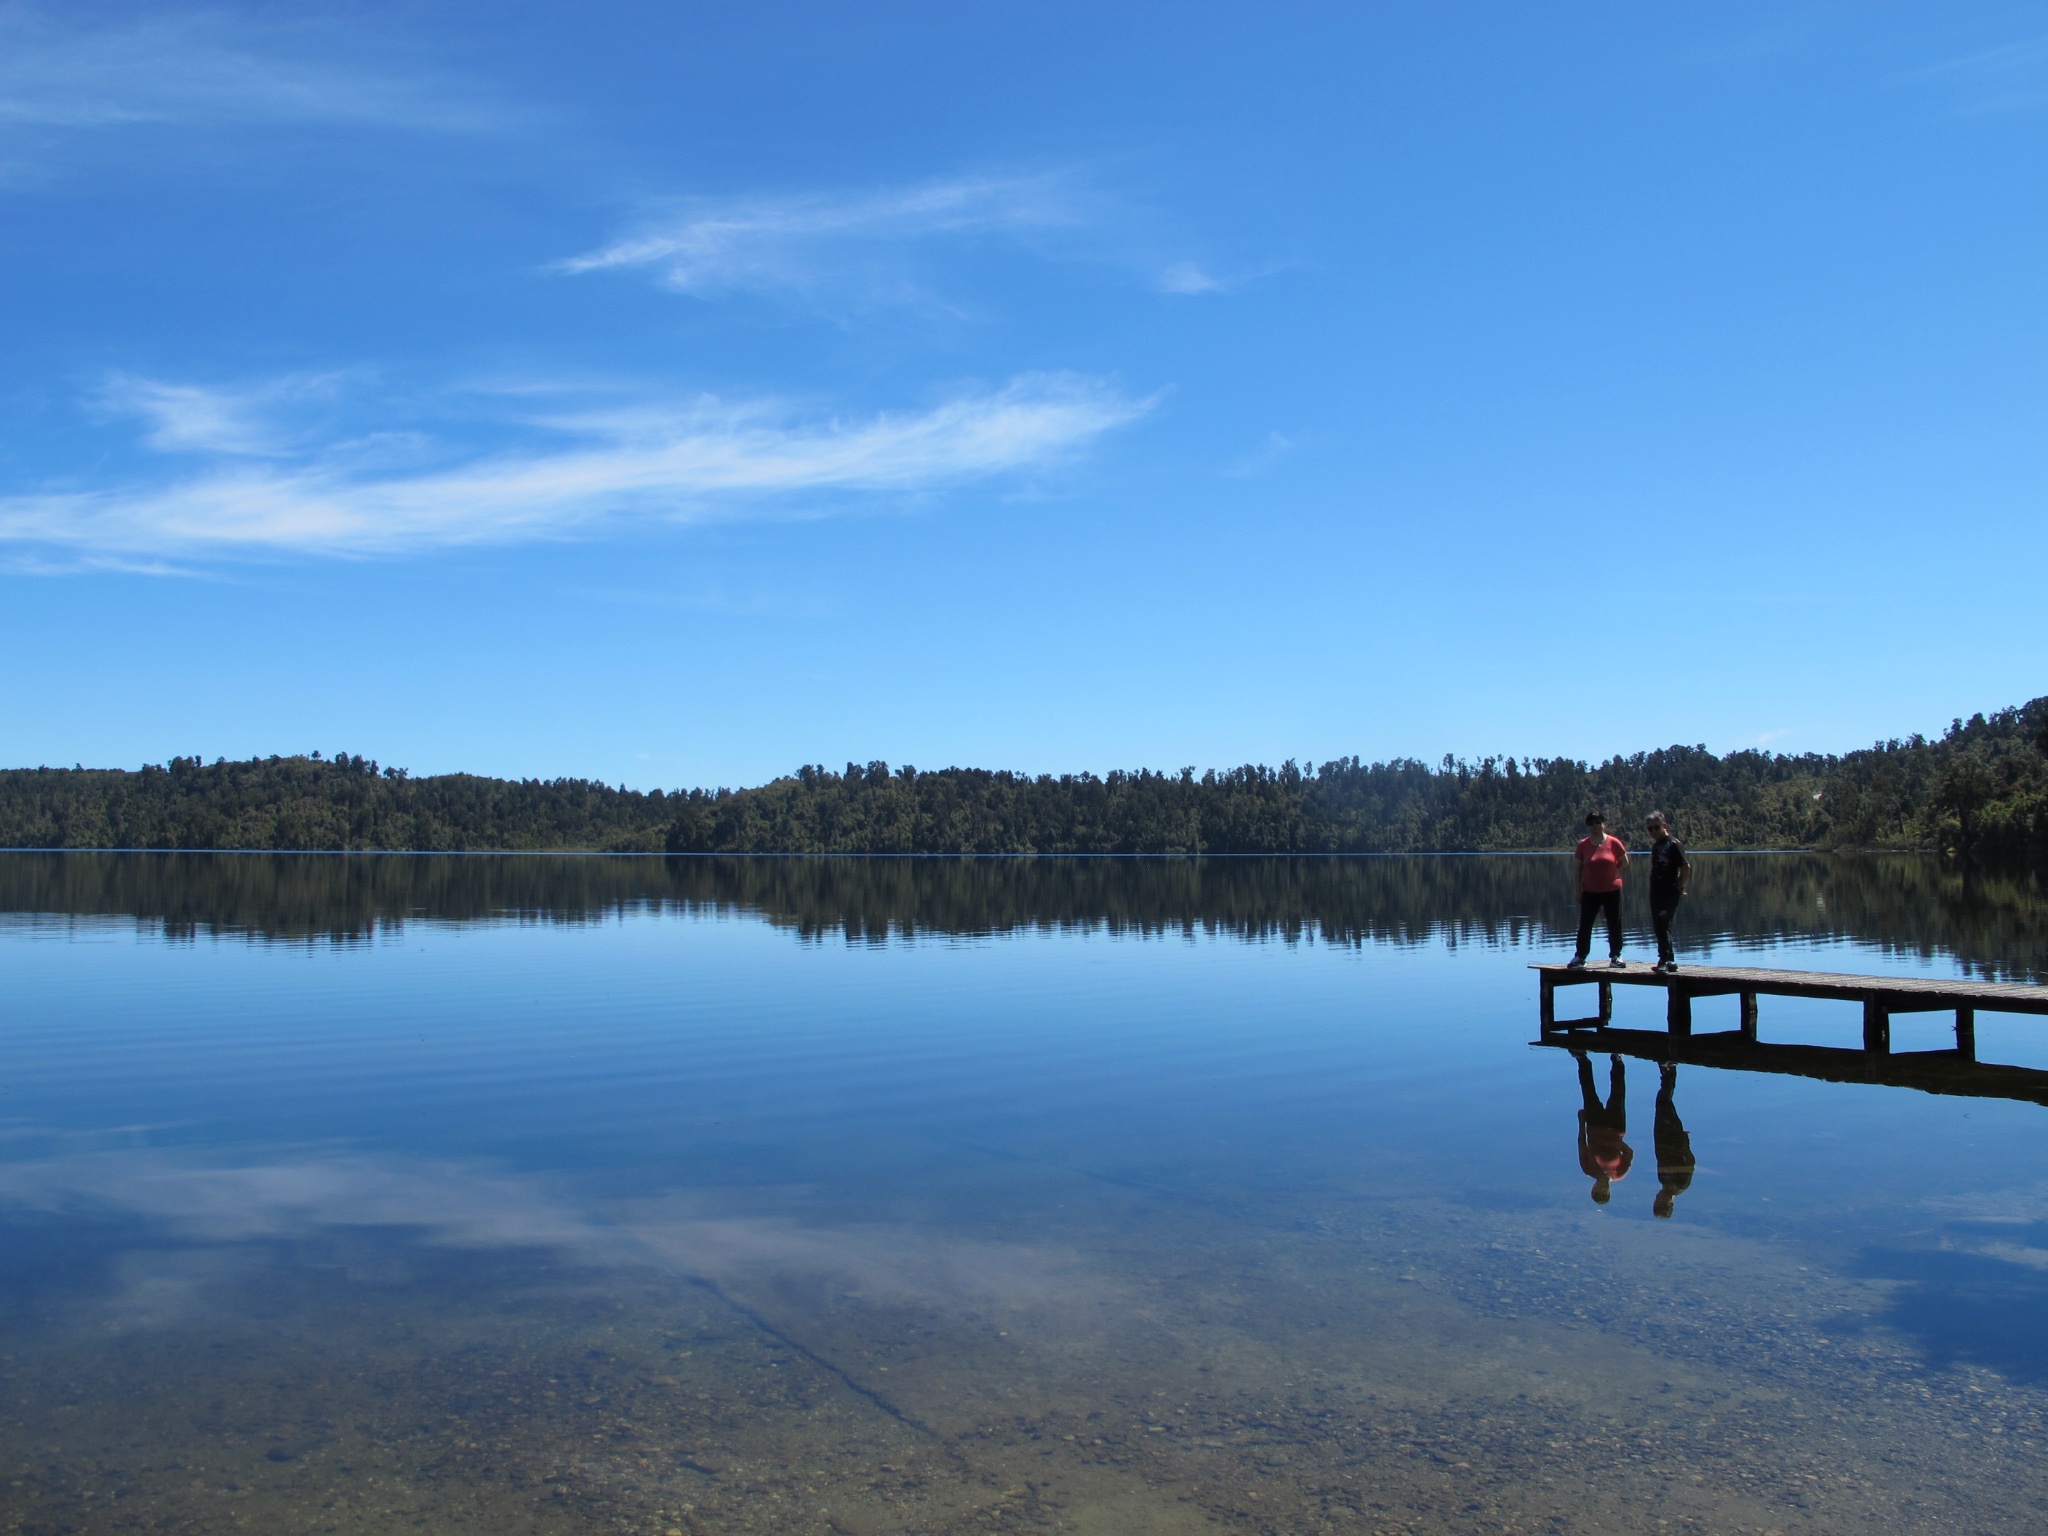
x: 1602, y: 1152
x: 1600, y: 864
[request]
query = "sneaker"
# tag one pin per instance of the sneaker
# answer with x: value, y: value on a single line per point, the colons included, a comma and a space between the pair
x: 1576, y: 963
x: 1617, y: 964
x: 1670, y: 967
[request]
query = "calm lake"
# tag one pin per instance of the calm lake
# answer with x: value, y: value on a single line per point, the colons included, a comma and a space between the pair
x: 1124, y: 1196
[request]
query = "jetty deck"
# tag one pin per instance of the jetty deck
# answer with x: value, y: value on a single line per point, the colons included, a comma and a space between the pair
x: 1880, y: 998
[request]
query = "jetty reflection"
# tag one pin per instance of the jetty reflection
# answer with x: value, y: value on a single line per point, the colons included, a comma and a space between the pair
x: 1950, y: 1070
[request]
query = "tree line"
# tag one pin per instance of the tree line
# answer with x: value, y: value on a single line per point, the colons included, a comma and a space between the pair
x: 1979, y: 792
x: 312, y: 803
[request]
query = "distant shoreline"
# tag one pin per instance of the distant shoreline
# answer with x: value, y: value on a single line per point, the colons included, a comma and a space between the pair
x: 1979, y: 792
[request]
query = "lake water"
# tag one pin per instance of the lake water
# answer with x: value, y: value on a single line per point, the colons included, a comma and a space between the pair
x: 524, y: 1194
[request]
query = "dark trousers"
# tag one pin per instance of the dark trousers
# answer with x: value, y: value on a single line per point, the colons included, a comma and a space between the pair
x: 1662, y: 910
x: 1608, y: 902
x: 1614, y: 1113
x: 1675, y: 1162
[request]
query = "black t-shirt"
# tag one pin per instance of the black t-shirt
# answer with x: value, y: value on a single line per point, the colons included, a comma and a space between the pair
x: 1667, y: 867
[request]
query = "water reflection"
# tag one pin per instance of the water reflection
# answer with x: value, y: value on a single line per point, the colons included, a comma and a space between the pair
x: 1996, y: 925
x: 1944, y: 1071
x: 713, y: 1195
x: 1979, y: 1298
x: 1605, y: 1156
x: 1972, y: 1288
x: 1675, y: 1162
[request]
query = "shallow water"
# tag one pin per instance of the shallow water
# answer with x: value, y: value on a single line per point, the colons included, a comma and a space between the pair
x: 1119, y: 1196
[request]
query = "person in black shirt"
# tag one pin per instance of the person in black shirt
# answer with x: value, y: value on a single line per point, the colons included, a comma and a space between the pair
x: 1670, y: 883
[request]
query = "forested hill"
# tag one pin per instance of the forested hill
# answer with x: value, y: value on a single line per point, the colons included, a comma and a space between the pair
x: 312, y: 802
x: 1980, y: 791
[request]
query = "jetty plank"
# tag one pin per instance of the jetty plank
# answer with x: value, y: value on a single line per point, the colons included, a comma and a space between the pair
x: 1899, y: 994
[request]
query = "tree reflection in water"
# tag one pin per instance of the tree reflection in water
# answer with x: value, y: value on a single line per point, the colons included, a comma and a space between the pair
x: 1908, y: 905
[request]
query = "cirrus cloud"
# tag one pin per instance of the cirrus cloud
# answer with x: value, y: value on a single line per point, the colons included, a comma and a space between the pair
x: 872, y: 248
x: 657, y: 460
x: 201, y: 68
x: 833, y: 244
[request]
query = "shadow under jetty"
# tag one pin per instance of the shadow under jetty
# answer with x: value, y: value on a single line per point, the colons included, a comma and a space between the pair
x: 1951, y: 1070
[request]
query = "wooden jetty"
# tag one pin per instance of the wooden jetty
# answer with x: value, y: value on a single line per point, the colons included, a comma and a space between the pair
x: 1949, y: 1070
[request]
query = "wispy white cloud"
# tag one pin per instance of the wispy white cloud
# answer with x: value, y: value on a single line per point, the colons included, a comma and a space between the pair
x: 2011, y: 78
x: 204, y: 68
x: 89, y: 564
x: 659, y: 460
x: 841, y: 244
x: 1273, y: 447
x: 198, y: 418
x: 300, y: 1193
x: 462, y: 1206
x: 1186, y: 277
x: 874, y: 248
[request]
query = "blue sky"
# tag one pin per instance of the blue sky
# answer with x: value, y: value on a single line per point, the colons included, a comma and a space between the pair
x: 674, y: 394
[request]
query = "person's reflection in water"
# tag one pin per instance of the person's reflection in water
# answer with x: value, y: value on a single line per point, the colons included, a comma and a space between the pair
x: 1603, y: 1155
x: 1675, y: 1161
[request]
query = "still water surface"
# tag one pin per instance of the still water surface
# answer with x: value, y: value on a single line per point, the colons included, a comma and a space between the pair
x: 370, y: 1194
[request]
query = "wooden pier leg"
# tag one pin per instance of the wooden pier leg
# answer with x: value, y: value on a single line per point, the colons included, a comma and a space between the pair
x: 1548, y: 1004
x: 1606, y: 1002
x: 1966, y: 1033
x: 1677, y: 1009
x: 1749, y: 1016
x: 1877, y: 1028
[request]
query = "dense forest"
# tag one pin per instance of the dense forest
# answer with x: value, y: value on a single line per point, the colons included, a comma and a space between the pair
x: 313, y: 803
x: 1979, y: 792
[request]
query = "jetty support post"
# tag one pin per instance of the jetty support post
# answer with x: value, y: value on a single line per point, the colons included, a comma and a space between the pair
x: 1877, y: 1027
x: 1749, y: 1017
x: 1966, y: 1033
x: 1677, y: 1008
x: 1547, y: 987
x: 1606, y: 1003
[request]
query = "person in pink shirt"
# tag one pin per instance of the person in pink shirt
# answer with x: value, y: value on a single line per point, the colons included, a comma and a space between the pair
x: 1605, y: 1156
x: 1600, y: 862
